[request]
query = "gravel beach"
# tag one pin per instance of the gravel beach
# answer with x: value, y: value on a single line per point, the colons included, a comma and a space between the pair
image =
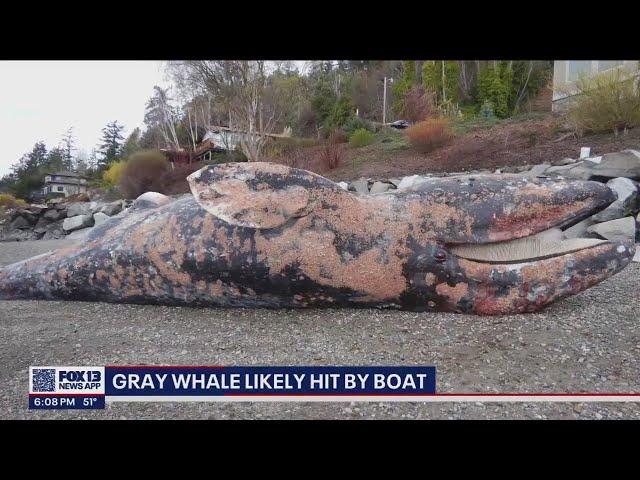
x: 586, y: 343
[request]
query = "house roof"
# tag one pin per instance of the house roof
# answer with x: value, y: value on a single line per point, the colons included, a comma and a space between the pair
x: 222, y: 128
x: 69, y: 181
x: 68, y: 178
x: 65, y: 174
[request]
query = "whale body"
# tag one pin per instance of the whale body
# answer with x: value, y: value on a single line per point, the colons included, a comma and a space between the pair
x: 266, y: 235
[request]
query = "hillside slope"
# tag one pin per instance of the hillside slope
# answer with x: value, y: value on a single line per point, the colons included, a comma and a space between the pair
x: 507, y: 144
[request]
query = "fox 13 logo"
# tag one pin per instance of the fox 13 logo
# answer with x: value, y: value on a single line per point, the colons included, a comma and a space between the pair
x: 66, y: 387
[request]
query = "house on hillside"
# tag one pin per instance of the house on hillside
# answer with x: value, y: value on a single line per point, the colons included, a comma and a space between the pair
x: 567, y: 72
x: 203, y: 152
x: 217, y: 139
x: 229, y: 138
x: 224, y: 137
x: 68, y: 183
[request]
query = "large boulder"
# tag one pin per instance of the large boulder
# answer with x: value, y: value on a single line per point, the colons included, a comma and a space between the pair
x: 411, y: 183
x: 78, y: 208
x: 112, y: 208
x: 618, y: 164
x: 77, y: 222
x: 151, y: 199
x: 53, y: 231
x: 361, y: 185
x: 54, y: 214
x: 537, y: 170
x: 576, y: 170
x: 27, y: 214
x: 343, y: 185
x: 612, y: 165
x: 79, y: 234
x: 380, y: 187
x: 99, y: 218
x: 41, y: 226
x: 20, y: 223
x: 37, y: 209
x: 626, y: 204
x: 95, y: 207
x: 619, y: 229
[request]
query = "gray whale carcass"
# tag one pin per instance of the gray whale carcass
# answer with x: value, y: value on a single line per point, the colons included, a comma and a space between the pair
x: 266, y: 235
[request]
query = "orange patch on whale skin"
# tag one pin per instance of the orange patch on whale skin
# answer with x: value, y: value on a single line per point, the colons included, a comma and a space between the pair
x: 376, y: 273
x: 455, y: 293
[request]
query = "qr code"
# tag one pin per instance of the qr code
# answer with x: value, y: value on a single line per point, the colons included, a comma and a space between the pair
x: 44, y: 380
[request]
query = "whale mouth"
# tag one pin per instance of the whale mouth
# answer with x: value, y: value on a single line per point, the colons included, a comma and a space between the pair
x: 547, y: 244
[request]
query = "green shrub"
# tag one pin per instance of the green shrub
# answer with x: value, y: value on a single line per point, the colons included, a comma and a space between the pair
x: 111, y: 175
x: 606, y: 102
x: 361, y: 138
x: 144, y: 172
x: 356, y: 123
x: 341, y: 111
x: 8, y: 201
x: 494, y: 85
x: 486, y: 110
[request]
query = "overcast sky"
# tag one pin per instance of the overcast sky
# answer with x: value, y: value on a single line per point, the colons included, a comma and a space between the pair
x: 41, y: 100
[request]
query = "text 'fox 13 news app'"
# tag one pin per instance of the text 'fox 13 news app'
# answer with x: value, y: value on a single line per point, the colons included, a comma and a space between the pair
x: 66, y: 387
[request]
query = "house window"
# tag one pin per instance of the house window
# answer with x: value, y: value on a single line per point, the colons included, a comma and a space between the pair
x: 60, y: 189
x: 608, y: 64
x: 576, y: 68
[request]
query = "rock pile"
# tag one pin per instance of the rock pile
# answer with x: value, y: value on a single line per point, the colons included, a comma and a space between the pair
x: 56, y: 218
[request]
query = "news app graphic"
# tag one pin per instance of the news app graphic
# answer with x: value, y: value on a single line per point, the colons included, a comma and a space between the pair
x: 66, y: 387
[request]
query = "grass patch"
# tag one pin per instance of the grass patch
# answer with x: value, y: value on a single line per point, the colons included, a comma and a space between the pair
x: 474, y: 123
x: 361, y: 138
x: 390, y: 140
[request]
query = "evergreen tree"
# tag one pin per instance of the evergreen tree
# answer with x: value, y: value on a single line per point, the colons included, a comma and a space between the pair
x: 131, y: 144
x: 56, y: 160
x: 68, y: 147
x: 28, y: 172
x: 32, y: 161
x: 111, y: 145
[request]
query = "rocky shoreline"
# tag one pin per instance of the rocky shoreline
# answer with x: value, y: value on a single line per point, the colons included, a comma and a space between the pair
x: 56, y: 219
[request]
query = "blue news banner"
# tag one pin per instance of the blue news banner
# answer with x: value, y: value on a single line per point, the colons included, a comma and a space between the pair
x: 89, y: 387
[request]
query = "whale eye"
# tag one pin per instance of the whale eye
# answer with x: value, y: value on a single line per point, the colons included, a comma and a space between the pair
x: 440, y: 256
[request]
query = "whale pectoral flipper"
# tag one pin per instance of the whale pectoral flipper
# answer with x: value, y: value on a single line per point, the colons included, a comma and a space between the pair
x: 258, y: 194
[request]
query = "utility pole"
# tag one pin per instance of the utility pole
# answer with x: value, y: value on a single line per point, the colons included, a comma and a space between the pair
x: 384, y: 103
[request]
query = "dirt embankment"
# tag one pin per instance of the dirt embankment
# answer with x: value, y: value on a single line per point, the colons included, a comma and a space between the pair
x: 505, y: 145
